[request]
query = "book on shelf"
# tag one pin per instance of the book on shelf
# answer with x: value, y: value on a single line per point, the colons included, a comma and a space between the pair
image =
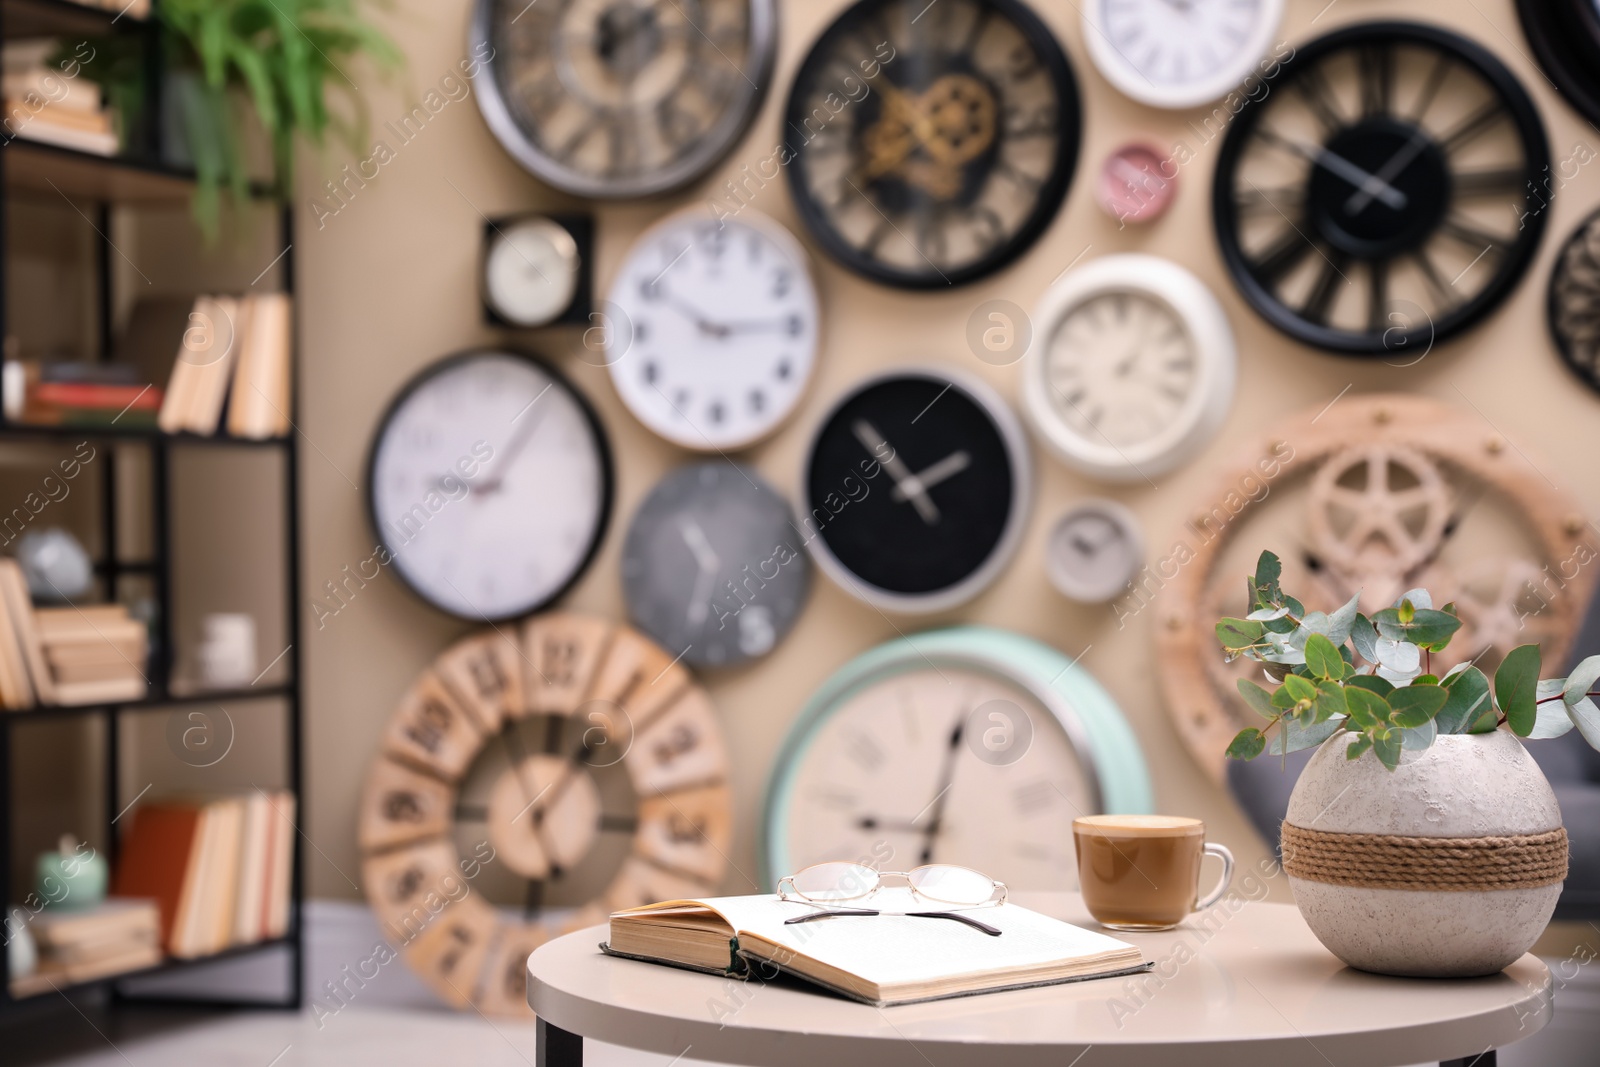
x: 116, y: 936
x: 259, y: 406
x: 235, y: 357
x: 44, y: 103
x: 68, y: 655
x: 218, y: 868
x: 880, y: 959
x: 78, y: 394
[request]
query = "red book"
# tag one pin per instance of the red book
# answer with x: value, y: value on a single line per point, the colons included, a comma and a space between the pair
x: 95, y: 395
x: 156, y: 856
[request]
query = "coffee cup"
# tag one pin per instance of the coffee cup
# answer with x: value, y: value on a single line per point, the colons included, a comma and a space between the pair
x: 1142, y: 872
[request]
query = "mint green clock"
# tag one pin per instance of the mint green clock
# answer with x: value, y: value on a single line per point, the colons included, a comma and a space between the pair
x: 969, y: 745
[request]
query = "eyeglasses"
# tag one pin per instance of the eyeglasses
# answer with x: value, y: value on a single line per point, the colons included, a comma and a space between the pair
x: 832, y: 885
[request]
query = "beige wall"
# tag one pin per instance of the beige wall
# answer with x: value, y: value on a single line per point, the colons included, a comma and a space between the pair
x: 388, y: 285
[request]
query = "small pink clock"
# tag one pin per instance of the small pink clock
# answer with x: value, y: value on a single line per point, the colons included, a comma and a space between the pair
x: 1137, y: 183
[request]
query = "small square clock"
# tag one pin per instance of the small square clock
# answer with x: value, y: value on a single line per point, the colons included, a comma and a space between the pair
x: 537, y: 270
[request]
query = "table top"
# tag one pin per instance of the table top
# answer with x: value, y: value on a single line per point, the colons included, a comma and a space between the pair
x: 1241, y: 987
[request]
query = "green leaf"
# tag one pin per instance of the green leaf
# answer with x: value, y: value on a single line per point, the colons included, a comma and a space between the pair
x: 1371, y: 682
x: 1341, y: 621
x: 1356, y: 747
x: 1587, y: 717
x: 1418, y: 738
x: 1257, y: 697
x: 1296, y: 736
x: 1365, y: 638
x: 1516, y: 685
x: 1405, y: 611
x: 1551, y: 718
x: 1236, y: 634
x: 1581, y: 680
x: 1414, y: 705
x: 1269, y: 568
x: 1468, y: 689
x: 1331, y: 701
x: 1368, y: 710
x: 1323, y: 657
x: 1281, y: 697
x: 1247, y: 745
x: 1421, y: 626
x: 1300, y: 688
x: 1487, y: 722
x: 1387, y: 747
x: 1418, y: 598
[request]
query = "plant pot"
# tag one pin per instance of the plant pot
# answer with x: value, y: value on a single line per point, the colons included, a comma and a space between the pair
x: 1447, y: 867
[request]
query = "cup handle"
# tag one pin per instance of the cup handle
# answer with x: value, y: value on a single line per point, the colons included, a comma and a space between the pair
x: 1222, y: 853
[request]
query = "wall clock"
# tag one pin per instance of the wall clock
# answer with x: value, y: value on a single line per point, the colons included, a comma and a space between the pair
x: 626, y: 99
x: 1380, y: 197
x: 713, y: 567
x: 970, y: 745
x: 932, y: 143
x: 1573, y: 305
x: 535, y: 270
x: 568, y: 766
x: 1377, y: 494
x: 916, y: 488
x: 1136, y: 369
x: 1177, y: 55
x: 1094, y: 552
x: 722, y: 326
x: 489, y: 484
x: 1565, y: 37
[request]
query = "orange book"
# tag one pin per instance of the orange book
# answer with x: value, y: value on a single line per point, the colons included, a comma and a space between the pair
x: 157, y: 858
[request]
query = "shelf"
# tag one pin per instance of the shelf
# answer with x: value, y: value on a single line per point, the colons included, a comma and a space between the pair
x: 51, y: 169
x: 13, y: 429
x: 166, y: 966
x: 55, y: 18
x: 212, y: 696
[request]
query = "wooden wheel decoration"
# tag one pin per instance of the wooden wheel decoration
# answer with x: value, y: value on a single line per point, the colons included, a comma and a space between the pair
x: 572, y: 766
x: 1376, y: 494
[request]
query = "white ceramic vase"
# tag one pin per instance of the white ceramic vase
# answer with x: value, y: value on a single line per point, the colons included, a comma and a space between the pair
x: 1463, y: 786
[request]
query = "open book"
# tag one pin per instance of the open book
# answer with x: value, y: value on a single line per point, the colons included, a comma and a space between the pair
x: 882, y: 959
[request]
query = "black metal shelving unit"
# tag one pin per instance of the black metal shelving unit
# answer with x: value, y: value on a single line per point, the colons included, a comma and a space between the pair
x: 94, y: 185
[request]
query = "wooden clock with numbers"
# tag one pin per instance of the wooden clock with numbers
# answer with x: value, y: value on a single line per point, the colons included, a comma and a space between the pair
x: 533, y: 780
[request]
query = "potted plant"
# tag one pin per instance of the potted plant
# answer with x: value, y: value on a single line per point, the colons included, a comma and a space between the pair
x: 1421, y: 839
x: 283, y: 56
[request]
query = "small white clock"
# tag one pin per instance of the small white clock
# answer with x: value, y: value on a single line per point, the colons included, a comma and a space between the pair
x: 721, y: 329
x: 1094, y: 551
x: 1178, y: 53
x: 489, y: 485
x: 530, y: 270
x: 1135, y: 369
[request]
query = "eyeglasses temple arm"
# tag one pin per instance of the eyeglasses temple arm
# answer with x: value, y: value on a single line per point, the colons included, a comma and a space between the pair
x: 956, y: 916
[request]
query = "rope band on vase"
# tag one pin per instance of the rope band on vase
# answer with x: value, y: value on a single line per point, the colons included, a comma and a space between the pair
x: 1450, y: 864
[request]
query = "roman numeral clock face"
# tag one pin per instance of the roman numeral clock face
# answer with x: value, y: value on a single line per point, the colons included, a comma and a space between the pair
x: 1383, y: 194
x: 933, y: 142
x: 622, y: 98
x: 717, y: 331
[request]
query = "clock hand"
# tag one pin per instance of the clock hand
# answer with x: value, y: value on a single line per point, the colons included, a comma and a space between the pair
x: 947, y: 779
x: 953, y: 464
x: 905, y: 826
x: 1337, y: 164
x: 513, y: 448
x: 706, y: 562
x: 754, y: 325
x: 874, y: 443
x: 1397, y: 163
x: 688, y: 311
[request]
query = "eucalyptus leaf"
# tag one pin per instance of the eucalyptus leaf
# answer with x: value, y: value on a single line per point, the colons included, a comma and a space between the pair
x: 1331, y: 701
x: 1371, y: 682
x: 1420, y: 598
x: 1551, y: 718
x: 1257, y: 697
x: 1469, y: 696
x: 1416, y: 704
x: 1296, y: 736
x: 1300, y: 688
x: 1365, y: 638
x: 1581, y: 680
x: 1267, y: 614
x: 1355, y: 748
x: 1387, y: 748
x: 1367, y: 709
x: 1417, y: 738
x: 1516, y: 684
x: 1342, y: 622
x: 1587, y: 718
x: 1323, y: 658
x: 1236, y: 634
x: 1269, y: 568
x: 1247, y: 744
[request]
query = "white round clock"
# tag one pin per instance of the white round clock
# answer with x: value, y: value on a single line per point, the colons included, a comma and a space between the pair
x: 489, y: 485
x: 1094, y: 551
x: 1179, y: 53
x: 720, y: 329
x: 1135, y: 369
x: 530, y: 270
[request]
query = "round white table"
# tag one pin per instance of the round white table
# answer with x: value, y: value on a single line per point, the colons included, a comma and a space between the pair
x: 1249, y: 987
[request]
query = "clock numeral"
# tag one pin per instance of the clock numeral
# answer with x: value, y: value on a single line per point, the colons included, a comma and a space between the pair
x: 1313, y: 89
x: 1375, y: 64
x: 1430, y: 88
x: 1282, y: 257
x: 784, y: 369
x: 1039, y: 122
x: 758, y: 401
x: 782, y: 278
x: 1472, y: 126
x: 865, y: 751
x: 682, y: 740
x: 716, y: 412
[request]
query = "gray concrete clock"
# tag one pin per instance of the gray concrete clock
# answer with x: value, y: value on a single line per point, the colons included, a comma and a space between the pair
x: 713, y: 567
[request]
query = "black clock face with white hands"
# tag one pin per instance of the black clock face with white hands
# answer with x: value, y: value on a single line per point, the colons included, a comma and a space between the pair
x: 1384, y: 194
x: 932, y: 143
x: 713, y: 566
x: 916, y: 489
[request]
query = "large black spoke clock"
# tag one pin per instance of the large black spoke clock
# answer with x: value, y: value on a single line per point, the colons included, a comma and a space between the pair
x: 1383, y: 195
x: 916, y: 489
x: 1565, y: 36
x: 932, y: 143
x: 622, y: 98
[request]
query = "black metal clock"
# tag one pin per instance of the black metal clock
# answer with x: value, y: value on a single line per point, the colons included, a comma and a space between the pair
x: 1565, y: 37
x: 932, y: 143
x: 916, y: 489
x: 1574, y: 302
x: 1382, y: 196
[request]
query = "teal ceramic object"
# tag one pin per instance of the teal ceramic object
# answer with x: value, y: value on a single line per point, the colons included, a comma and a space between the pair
x: 1109, y: 753
x: 73, y: 878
